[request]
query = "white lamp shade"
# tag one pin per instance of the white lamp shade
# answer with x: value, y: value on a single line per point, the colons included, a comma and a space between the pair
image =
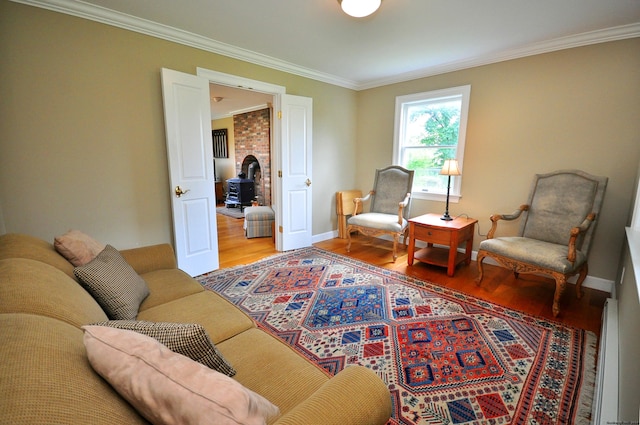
x: 450, y: 168
x: 359, y: 8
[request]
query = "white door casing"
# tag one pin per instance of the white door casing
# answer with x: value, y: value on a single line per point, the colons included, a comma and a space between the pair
x: 190, y: 158
x: 297, y: 184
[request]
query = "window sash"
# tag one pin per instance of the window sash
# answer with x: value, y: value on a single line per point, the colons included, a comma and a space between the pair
x: 428, y: 184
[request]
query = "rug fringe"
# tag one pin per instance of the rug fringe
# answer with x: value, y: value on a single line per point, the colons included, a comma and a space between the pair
x: 587, y: 390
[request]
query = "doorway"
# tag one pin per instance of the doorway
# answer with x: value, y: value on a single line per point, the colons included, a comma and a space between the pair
x: 187, y: 111
x: 247, y: 117
x: 291, y: 154
x: 233, y: 107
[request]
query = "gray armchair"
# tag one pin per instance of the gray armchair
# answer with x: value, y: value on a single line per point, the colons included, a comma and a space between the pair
x: 389, y: 207
x: 556, y: 229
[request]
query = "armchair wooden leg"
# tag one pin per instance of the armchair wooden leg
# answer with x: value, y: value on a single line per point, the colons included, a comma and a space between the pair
x: 561, y: 284
x: 479, y: 259
x: 349, y: 240
x: 395, y: 247
x: 583, y: 274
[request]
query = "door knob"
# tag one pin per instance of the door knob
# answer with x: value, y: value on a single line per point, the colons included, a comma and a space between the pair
x: 179, y: 192
x: 308, y: 182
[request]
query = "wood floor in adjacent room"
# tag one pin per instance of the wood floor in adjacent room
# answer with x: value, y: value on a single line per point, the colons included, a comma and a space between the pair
x: 530, y: 294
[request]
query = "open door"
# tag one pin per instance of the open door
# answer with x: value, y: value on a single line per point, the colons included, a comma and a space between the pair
x: 191, y: 175
x: 296, y: 175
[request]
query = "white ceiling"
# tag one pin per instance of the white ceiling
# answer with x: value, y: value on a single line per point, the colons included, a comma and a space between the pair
x: 236, y: 101
x: 404, y: 39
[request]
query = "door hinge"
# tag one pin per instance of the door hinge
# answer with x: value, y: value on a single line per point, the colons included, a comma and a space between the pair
x: 280, y: 229
x: 279, y: 115
x: 280, y: 173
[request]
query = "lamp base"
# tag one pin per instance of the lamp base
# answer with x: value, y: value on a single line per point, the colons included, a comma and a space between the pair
x: 446, y: 216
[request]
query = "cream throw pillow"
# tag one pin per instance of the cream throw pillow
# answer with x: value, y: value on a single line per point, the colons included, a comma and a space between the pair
x: 77, y: 247
x: 169, y: 388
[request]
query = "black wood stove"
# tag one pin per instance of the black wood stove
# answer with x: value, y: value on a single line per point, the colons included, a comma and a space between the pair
x: 240, y: 192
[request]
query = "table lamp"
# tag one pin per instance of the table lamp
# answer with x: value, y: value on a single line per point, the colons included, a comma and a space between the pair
x: 449, y: 168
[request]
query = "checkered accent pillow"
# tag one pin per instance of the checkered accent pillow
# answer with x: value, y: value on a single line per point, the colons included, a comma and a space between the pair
x: 188, y: 339
x: 113, y: 284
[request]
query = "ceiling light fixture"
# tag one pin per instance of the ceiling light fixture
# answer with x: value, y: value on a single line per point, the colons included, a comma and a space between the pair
x: 359, y: 8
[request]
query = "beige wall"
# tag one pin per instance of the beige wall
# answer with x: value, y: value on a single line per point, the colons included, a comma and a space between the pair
x: 82, y: 141
x: 576, y: 108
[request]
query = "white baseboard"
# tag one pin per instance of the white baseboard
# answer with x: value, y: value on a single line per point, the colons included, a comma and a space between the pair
x: 324, y: 236
x: 605, y: 398
x: 592, y: 282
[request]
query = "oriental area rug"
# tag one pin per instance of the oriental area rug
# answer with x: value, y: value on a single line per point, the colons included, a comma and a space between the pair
x: 447, y: 358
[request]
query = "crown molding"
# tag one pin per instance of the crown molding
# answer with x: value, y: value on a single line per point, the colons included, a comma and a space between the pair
x: 584, y: 39
x: 165, y: 32
x: 107, y: 16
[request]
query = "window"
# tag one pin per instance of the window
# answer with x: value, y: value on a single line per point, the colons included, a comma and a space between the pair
x: 429, y: 128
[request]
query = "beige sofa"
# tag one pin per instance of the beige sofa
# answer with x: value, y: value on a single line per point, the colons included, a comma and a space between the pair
x: 46, y: 377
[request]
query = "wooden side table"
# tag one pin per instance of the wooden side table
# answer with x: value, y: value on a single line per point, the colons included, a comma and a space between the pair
x: 431, y: 229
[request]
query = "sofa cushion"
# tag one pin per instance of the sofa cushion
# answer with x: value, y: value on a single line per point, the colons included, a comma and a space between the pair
x: 168, y: 388
x: 219, y: 317
x: 16, y: 245
x: 188, y: 339
x: 168, y: 285
x: 45, y: 377
x: 114, y: 284
x: 261, y: 369
x: 77, y: 247
x: 29, y: 286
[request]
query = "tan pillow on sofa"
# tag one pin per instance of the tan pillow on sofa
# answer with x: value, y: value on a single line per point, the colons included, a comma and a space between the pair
x: 169, y: 388
x: 188, y: 339
x: 77, y: 247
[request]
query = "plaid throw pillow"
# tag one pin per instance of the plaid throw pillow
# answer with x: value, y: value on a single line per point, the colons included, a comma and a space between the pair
x: 113, y: 284
x: 188, y: 339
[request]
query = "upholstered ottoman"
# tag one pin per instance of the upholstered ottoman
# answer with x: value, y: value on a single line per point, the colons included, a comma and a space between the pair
x: 258, y: 222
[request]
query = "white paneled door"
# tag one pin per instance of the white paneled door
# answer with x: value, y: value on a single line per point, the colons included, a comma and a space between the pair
x: 297, y: 184
x: 191, y: 174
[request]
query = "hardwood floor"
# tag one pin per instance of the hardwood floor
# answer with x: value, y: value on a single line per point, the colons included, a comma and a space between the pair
x: 530, y: 294
x: 235, y: 248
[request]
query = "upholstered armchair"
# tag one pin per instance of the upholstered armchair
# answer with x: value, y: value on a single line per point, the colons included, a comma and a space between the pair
x: 388, y: 209
x: 555, y: 233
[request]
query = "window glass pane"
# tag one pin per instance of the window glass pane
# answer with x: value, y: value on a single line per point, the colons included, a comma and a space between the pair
x: 432, y: 123
x: 427, y: 163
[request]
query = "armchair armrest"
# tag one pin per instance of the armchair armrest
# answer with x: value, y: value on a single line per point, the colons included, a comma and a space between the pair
x: 401, y: 207
x: 358, y: 202
x: 355, y: 396
x: 149, y: 258
x: 575, y: 232
x: 508, y: 217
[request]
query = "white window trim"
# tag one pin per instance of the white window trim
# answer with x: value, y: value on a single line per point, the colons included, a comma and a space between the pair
x: 465, y: 92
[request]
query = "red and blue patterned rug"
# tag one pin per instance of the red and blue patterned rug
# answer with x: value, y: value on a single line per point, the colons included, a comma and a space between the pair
x: 448, y: 358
